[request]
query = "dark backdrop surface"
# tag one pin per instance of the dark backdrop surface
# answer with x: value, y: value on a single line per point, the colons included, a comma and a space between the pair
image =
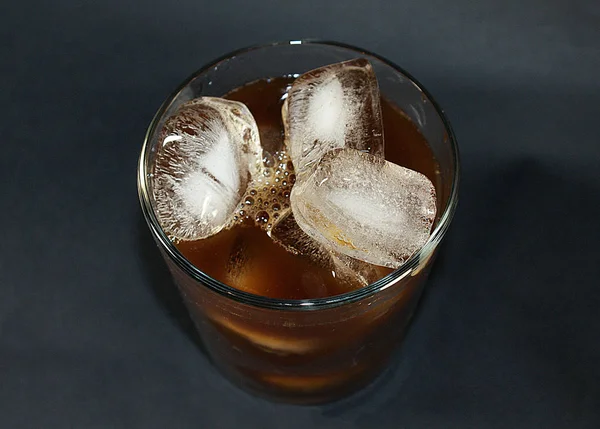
x: 93, y: 335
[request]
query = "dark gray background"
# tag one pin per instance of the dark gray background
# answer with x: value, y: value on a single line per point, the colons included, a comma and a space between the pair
x: 93, y: 335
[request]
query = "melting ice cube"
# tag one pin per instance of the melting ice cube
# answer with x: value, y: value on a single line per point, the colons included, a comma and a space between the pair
x: 332, y: 107
x: 365, y: 207
x: 207, y: 152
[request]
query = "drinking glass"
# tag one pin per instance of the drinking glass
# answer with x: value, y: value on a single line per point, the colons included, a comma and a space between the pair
x: 312, y: 350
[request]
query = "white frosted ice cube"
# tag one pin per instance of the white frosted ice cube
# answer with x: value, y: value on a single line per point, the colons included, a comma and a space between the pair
x: 365, y: 207
x: 332, y: 107
x: 206, y: 154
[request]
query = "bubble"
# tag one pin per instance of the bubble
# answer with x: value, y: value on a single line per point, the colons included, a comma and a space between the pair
x: 268, y: 160
x: 269, y: 195
x: 262, y: 217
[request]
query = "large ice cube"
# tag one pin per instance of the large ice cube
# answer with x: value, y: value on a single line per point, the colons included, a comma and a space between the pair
x: 332, y: 107
x: 207, y: 152
x: 288, y: 234
x: 365, y: 207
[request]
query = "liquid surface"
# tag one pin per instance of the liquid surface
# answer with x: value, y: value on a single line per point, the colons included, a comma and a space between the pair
x: 244, y: 256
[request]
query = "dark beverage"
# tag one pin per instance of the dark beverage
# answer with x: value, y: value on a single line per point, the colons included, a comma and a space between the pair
x: 302, y: 276
x: 270, y: 270
x: 302, y: 361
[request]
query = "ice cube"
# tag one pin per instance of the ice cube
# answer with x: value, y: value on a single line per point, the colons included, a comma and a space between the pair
x: 332, y: 107
x: 349, y: 272
x: 207, y: 152
x: 365, y: 207
x: 254, y: 266
x: 288, y: 234
x: 247, y: 269
x: 356, y: 272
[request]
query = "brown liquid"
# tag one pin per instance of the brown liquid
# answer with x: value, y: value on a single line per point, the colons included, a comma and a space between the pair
x: 299, y: 356
x: 268, y: 269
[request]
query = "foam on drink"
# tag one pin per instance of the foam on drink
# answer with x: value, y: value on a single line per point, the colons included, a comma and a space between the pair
x: 268, y: 195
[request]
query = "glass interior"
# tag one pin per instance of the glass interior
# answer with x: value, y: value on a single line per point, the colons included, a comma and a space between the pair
x: 294, y: 58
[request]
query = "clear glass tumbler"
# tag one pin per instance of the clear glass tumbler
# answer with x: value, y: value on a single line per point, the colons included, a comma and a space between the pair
x: 317, y: 350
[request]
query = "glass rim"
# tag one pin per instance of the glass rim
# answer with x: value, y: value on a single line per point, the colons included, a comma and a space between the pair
x: 294, y: 304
